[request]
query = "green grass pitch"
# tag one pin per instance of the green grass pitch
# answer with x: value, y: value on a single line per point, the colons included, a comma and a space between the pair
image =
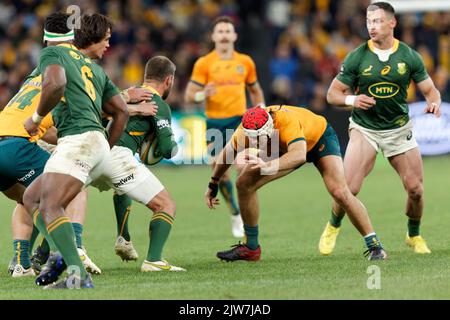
x: 294, y: 211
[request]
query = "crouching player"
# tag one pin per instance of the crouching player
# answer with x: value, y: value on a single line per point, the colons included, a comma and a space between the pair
x: 302, y: 136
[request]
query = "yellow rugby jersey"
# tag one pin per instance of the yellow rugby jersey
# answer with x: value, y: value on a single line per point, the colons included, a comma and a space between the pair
x: 21, y: 107
x: 293, y: 124
x: 230, y: 78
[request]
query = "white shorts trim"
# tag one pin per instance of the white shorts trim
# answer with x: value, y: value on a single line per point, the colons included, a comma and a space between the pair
x: 126, y: 175
x: 81, y: 156
x: 390, y: 142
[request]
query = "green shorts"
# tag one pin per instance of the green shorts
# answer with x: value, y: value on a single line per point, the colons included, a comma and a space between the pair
x: 21, y: 161
x: 327, y: 145
x: 220, y: 136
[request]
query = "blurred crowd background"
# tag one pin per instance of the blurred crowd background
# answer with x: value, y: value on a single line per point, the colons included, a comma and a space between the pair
x: 297, y: 45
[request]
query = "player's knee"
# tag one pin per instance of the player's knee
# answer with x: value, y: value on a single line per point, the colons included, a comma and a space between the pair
x: 165, y: 204
x: 244, y: 183
x: 415, y: 191
x: 341, y: 194
x: 30, y: 201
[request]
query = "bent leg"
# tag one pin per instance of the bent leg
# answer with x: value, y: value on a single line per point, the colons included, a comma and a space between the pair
x: 359, y: 161
x: 332, y: 171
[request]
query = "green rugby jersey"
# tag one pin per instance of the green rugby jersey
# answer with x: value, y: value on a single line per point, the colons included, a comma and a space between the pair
x: 387, y: 82
x: 87, y: 88
x: 139, y: 127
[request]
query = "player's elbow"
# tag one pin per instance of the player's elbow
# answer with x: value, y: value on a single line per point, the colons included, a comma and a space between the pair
x: 169, y: 151
x: 298, y: 159
x: 330, y: 96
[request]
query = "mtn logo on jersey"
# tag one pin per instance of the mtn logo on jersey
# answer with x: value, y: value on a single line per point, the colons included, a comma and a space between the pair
x: 384, y: 90
x: 163, y: 123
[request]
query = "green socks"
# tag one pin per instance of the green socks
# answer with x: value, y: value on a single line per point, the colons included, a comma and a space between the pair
x: 160, y: 227
x: 78, y: 230
x: 122, y: 207
x: 40, y: 224
x: 61, y: 231
x: 226, y: 189
x: 21, y: 253
x: 335, y: 221
x: 413, y: 227
x: 372, y: 241
x: 251, y: 237
x: 34, y: 235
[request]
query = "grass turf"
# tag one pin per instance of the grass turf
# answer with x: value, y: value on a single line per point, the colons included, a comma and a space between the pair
x: 294, y: 211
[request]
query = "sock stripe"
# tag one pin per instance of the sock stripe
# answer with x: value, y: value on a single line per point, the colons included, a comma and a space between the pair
x: 162, y: 213
x: 18, y: 252
x: 127, y: 212
x: 163, y: 216
x: 56, y: 223
x: 35, y: 215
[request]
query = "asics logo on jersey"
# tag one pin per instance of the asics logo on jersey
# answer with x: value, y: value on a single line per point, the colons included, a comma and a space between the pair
x: 385, y: 70
x: 384, y: 90
x: 367, y: 70
x: 124, y: 180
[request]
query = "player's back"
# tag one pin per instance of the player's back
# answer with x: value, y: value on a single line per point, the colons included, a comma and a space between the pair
x: 288, y: 118
x: 86, y: 88
x: 21, y: 107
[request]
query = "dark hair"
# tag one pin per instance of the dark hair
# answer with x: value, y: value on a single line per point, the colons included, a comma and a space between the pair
x: 221, y: 19
x: 387, y: 7
x: 93, y: 30
x: 57, y: 22
x: 159, y: 68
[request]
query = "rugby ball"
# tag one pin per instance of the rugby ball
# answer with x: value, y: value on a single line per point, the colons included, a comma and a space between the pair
x: 148, y: 150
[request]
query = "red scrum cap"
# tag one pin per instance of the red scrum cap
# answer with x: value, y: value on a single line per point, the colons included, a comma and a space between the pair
x: 257, y: 122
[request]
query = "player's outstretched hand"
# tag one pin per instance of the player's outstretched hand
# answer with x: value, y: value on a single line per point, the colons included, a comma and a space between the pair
x: 211, y: 195
x: 364, y: 102
x: 139, y: 94
x: 433, y: 108
x: 31, y: 127
x: 147, y: 108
